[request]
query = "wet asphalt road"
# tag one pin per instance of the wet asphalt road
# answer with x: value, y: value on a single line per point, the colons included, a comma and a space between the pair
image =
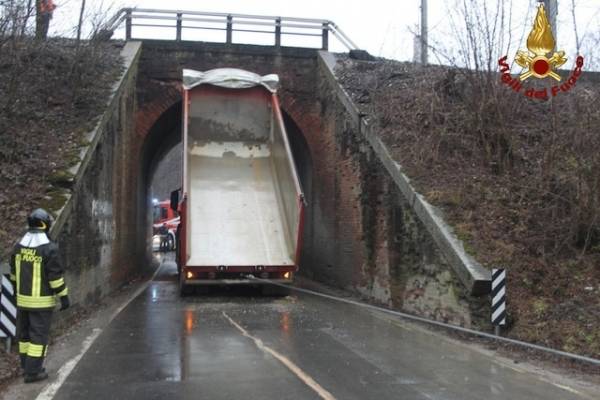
x: 236, y: 344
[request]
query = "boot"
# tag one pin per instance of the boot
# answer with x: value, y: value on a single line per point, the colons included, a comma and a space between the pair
x: 40, y: 376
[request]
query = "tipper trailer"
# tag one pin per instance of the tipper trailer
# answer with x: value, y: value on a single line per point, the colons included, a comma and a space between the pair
x: 242, y: 205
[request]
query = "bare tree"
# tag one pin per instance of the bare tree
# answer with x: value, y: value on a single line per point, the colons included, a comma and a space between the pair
x: 80, y: 24
x: 30, y: 9
x: 565, y: 144
x: 14, y: 45
x: 577, y: 41
x: 92, y: 18
x: 38, y: 19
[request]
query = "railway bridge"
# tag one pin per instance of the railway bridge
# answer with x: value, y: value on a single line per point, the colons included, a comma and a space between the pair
x: 362, y: 232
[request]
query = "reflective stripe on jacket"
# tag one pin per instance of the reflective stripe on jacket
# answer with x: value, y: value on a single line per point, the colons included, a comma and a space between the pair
x: 37, y: 272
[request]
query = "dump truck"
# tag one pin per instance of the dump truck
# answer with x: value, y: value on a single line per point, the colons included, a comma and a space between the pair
x: 241, y: 204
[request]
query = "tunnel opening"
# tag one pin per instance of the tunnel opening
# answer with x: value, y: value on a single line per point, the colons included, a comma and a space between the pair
x: 161, y: 173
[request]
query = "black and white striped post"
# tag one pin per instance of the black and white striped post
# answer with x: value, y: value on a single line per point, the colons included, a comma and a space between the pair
x: 8, y: 311
x: 498, y: 299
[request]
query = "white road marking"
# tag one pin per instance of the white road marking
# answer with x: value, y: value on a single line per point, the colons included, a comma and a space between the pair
x: 310, y: 382
x: 63, y: 373
x: 567, y: 388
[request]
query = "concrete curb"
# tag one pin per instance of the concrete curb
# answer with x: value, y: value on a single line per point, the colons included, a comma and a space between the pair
x: 130, y: 53
x: 472, y: 274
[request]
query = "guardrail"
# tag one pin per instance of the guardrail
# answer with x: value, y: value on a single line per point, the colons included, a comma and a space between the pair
x: 181, y: 21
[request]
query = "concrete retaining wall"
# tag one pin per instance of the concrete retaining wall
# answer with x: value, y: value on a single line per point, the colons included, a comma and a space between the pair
x: 98, y: 243
x: 382, y: 239
x: 97, y: 228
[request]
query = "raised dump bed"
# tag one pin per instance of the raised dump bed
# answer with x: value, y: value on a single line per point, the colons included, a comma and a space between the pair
x: 242, y: 205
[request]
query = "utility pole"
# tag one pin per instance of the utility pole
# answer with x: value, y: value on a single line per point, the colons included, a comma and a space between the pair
x: 424, y: 28
x: 552, y: 12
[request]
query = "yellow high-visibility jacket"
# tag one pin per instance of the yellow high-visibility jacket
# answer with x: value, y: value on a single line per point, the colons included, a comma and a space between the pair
x: 36, y: 272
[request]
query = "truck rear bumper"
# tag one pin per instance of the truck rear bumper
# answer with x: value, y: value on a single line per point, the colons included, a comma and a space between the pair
x: 234, y: 281
x: 237, y: 275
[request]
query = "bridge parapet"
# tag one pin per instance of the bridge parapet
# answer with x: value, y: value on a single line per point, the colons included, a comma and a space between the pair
x: 181, y: 21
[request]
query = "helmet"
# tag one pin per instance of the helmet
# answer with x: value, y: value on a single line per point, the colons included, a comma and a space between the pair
x: 40, y: 219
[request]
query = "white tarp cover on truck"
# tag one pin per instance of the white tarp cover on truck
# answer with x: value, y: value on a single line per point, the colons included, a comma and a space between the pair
x: 231, y: 78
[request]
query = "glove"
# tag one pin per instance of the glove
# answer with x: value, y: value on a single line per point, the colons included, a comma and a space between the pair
x: 64, y: 303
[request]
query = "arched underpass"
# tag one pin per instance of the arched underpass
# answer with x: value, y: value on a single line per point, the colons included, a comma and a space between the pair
x: 162, y: 162
x: 360, y: 234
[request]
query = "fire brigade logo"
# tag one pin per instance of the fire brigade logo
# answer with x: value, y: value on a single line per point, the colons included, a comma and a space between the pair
x: 540, y: 42
x: 535, y: 61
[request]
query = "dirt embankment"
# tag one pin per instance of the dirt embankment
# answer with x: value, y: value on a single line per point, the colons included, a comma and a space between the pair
x: 519, y: 180
x: 51, y: 94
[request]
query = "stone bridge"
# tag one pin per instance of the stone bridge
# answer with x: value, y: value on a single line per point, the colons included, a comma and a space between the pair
x: 364, y: 231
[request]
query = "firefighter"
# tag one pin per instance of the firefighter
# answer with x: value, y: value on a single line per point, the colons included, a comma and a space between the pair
x: 163, y: 231
x: 38, y: 276
x: 46, y: 9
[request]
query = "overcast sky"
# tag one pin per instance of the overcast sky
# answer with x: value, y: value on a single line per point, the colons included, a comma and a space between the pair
x: 383, y: 27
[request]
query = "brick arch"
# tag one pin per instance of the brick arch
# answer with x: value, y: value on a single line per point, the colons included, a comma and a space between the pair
x: 155, y: 100
x: 306, y: 115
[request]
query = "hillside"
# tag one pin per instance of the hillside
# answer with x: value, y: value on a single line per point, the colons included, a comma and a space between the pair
x: 517, y: 178
x: 51, y: 93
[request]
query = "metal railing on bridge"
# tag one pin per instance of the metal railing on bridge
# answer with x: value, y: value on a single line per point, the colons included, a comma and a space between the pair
x: 184, y: 21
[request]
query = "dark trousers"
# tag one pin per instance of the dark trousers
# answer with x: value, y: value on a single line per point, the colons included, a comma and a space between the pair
x: 164, y: 242
x: 34, y: 330
x: 45, y: 24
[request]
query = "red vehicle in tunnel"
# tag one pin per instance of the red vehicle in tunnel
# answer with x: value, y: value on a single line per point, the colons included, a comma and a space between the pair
x: 241, y: 202
x: 162, y: 213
